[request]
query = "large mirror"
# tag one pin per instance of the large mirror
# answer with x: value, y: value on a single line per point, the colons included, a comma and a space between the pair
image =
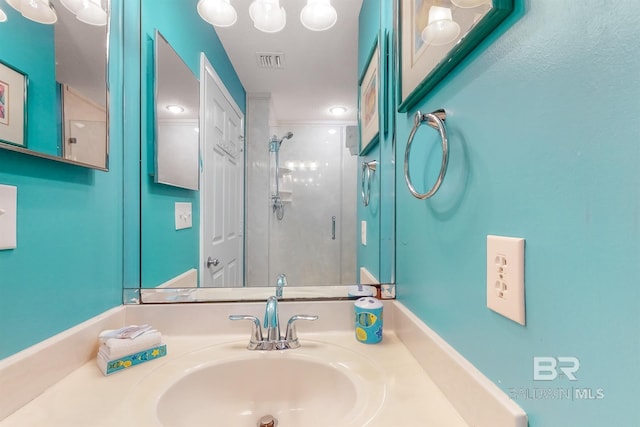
x: 300, y: 192
x: 177, y: 109
x: 60, y: 57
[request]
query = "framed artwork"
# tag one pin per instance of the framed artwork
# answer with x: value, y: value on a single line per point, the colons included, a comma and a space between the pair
x: 13, y: 105
x: 434, y: 36
x: 369, y: 100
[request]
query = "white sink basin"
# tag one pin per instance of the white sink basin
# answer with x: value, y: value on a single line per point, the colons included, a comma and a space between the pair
x: 319, y: 384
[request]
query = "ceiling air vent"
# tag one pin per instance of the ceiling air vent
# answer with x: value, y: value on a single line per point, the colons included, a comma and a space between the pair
x: 273, y: 60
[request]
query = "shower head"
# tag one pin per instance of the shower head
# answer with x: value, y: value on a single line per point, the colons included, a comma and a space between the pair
x: 288, y: 135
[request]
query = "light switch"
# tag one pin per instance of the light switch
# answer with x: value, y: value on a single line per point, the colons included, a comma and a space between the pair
x: 8, y: 216
x: 183, y: 215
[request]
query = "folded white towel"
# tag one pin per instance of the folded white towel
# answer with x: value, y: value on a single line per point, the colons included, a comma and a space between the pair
x: 131, y: 331
x: 114, y: 348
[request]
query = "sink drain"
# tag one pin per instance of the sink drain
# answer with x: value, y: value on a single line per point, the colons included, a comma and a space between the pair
x: 267, y: 421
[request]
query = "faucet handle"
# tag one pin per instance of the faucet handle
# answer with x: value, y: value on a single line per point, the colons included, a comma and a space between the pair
x: 292, y: 337
x: 256, y: 330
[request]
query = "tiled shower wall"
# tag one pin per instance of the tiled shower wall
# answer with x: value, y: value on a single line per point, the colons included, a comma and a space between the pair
x: 320, y: 175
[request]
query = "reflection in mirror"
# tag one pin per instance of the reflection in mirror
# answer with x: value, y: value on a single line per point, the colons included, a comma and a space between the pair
x: 434, y: 36
x: 65, y: 65
x: 310, y: 230
x: 176, y: 112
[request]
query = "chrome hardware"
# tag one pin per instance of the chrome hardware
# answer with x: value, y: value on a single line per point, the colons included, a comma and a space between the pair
x: 281, y: 282
x: 271, y: 320
x: 256, y: 331
x: 267, y: 421
x: 271, y: 339
x: 368, y: 170
x: 333, y: 228
x: 436, y: 121
x: 291, y: 336
x: 212, y: 262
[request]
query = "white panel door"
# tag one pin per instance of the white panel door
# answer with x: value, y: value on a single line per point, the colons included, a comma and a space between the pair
x: 222, y: 193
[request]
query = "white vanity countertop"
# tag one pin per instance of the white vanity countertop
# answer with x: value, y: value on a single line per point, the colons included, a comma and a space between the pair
x: 87, y: 398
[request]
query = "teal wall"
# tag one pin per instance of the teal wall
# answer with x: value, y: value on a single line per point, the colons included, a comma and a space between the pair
x: 544, y: 132
x: 167, y: 252
x: 67, y: 266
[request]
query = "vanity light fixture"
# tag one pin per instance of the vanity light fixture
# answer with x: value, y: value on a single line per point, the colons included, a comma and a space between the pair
x: 318, y: 15
x: 39, y: 11
x: 217, y: 12
x: 88, y: 11
x: 338, y: 111
x: 267, y: 15
x: 442, y: 29
x: 175, y: 109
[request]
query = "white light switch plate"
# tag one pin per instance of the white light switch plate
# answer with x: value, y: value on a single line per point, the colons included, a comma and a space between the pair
x: 505, y: 277
x: 8, y: 216
x: 183, y: 215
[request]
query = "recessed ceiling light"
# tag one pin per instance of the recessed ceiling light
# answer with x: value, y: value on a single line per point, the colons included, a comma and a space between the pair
x: 332, y: 131
x: 338, y: 110
x: 175, y: 109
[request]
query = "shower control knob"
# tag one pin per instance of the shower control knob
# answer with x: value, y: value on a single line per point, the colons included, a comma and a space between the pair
x: 212, y: 262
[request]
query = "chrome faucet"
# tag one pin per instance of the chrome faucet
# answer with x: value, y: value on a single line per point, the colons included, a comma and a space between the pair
x: 271, y: 320
x: 281, y: 282
x: 272, y: 340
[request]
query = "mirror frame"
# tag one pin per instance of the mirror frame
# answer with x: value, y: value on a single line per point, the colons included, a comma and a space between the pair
x: 500, y: 9
x: 59, y: 158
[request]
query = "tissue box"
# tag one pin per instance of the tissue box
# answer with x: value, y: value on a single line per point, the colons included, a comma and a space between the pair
x: 111, y: 366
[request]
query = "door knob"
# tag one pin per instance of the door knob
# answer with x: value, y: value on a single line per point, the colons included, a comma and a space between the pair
x: 212, y: 262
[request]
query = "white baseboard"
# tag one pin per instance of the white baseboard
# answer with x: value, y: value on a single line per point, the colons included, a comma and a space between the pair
x: 28, y: 373
x: 188, y: 279
x: 478, y: 400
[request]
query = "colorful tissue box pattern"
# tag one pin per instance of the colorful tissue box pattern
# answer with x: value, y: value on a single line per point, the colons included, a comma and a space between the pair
x: 135, y: 359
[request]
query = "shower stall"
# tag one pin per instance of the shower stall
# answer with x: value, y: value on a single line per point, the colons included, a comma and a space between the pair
x: 301, y: 206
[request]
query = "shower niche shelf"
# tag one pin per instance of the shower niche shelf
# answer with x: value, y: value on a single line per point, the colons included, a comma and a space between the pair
x: 282, y: 172
x: 286, y: 196
x: 286, y: 180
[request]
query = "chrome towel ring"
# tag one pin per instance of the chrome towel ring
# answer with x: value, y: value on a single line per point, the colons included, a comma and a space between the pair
x: 436, y: 121
x: 368, y: 169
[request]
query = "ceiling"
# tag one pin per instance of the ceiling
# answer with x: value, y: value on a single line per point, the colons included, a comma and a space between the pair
x: 320, y: 68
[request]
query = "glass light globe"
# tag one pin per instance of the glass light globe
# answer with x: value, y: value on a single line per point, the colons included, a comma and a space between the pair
x: 3, y: 16
x: 92, y: 13
x: 74, y: 6
x: 468, y: 4
x: 39, y: 11
x: 267, y: 15
x: 318, y: 15
x: 442, y: 29
x: 217, y: 12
